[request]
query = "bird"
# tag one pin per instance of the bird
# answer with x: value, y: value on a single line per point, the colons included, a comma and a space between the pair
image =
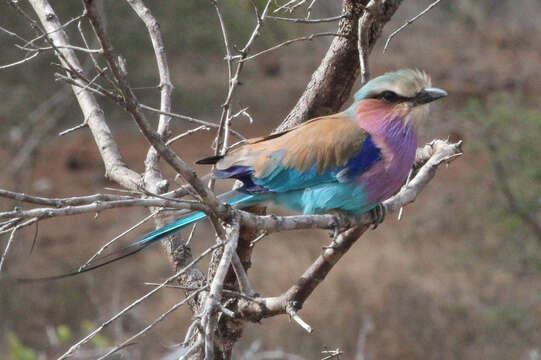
x: 347, y: 162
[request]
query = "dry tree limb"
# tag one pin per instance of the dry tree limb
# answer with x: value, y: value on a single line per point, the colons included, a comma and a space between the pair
x: 45, y: 213
x: 186, y: 133
x: 133, y: 107
x: 115, y: 168
x: 190, y: 120
x: 210, y: 316
x: 60, y: 202
x: 110, y: 242
x: 8, y: 245
x: 153, y: 176
x: 233, y: 78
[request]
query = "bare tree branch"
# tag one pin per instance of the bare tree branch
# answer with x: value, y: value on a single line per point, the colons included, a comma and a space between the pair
x: 153, y: 176
x: 132, y: 106
x: 44, y: 213
x: 115, y: 168
x: 209, y: 320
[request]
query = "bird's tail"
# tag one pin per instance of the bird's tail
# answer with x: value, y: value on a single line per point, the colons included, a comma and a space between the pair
x: 233, y: 198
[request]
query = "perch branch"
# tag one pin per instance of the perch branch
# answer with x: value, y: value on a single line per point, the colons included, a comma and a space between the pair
x: 431, y: 157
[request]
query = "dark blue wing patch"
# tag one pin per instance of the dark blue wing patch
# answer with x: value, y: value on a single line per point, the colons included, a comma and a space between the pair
x: 368, y: 156
x: 244, y: 174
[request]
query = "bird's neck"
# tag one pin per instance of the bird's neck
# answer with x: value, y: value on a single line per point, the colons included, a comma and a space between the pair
x: 381, y: 119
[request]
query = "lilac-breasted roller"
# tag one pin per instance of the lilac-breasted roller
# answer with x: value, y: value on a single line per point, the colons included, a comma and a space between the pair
x: 349, y: 162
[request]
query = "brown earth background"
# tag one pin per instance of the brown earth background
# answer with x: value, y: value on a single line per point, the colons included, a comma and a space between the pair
x: 459, y: 277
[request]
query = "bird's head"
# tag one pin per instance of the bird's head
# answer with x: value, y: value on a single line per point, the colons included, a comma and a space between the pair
x: 405, y: 92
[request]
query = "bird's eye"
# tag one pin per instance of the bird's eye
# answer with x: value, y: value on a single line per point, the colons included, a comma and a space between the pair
x: 388, y: 96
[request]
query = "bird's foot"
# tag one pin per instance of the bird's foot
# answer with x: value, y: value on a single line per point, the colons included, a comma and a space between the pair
x: 378, y: 215
x: 334, y: 234
x: 336, y: 229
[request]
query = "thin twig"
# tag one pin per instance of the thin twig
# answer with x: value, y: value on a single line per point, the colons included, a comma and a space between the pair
x: 258, y: 238
x: 232, y: 293
x: 288, y: 42
x: 72, y: 129
x: 59, y: 28
x: 72, y: 47
x: 186, y: 133
x: 45, y: 213
x: 242, y: 277
x: 190, y: 119
x: 11, y: 33
x: 22, y: 61
x: 401, y: 211
x: 394, y: 33
x: 8, y: 245
x: 153, y: 323
x: 87, y: 338
x: 110, y: 242
x: 307, y: 21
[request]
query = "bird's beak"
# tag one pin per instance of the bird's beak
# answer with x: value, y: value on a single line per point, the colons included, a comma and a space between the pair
x: 428, y: 95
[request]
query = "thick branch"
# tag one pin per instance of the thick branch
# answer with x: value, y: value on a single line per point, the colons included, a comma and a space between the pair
x: 115, y: 168
x: 132, y: 106
x: 153, y: 175
x: 210, y: 318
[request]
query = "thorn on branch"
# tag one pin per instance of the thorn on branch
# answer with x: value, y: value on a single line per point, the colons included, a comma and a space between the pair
x: 291, y: 311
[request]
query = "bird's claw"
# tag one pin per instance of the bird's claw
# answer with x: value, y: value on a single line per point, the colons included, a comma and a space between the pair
x: 335, y: 231
x: 333, y: 234
x: 378, y: 215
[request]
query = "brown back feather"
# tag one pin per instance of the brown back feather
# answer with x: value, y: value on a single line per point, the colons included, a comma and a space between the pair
x: 328, y: 141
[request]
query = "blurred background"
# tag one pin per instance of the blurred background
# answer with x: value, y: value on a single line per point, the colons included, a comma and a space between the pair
x: 459, y: 277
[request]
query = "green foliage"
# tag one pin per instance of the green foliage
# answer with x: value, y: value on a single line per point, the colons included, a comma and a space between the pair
x: 17, y: 350
x: 64, y: 334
